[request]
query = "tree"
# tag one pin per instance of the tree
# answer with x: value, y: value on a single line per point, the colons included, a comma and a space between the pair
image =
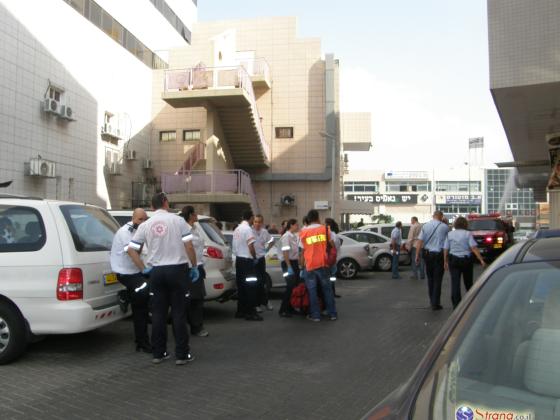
x: 381, y: 218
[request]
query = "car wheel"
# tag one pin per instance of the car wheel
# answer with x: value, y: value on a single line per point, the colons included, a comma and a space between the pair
x: 384, y: 262
x: 347, y: 268
x: 12, y: 333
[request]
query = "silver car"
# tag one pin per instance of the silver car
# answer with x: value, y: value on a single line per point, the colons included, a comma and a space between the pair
x: 380, y: 248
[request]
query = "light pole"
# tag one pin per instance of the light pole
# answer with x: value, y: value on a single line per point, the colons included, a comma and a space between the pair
x: 333, y: 168
x: 469, y: 187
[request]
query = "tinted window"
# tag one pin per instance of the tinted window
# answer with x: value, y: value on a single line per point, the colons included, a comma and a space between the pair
x: 92, y: 228
x: 503, y: 359
x: 386, y: 231
x: 21, y: 229
x: 123, y: 220
x: 485, y: 225
x: 212, y: 231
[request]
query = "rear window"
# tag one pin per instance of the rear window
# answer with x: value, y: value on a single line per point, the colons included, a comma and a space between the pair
x: 485, y: 225
x: 123, y: 220
x: 92, y: 228
x: 21, y: 229
x: 212, y: 231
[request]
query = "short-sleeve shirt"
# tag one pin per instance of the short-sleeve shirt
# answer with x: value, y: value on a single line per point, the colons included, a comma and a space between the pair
x: 289, y: 242
x: 459, y: 243
x: 262, y: 240
x: 165, y: 235
x: 433, y: 235
x: 198, y: 243
x: 242, y: 238
x: 121, y: 263
x: 396, y: 235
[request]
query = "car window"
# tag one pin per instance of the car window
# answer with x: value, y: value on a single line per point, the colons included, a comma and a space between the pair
x: 485, y: 225
x: 377, y: 239
x: 212, y: 231
x: 123, y: 220
x: 92, y: 228
x: 503, y: 359
x: 21, y: 229
x: 405, y: 230
x: 351, y: 235
x: 386, y: 231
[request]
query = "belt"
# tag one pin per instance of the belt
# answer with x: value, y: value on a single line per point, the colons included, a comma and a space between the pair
x: 460, y: 258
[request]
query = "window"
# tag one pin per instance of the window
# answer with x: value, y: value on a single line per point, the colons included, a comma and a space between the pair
x: 284, y: 132
x: 408, y: 186
x: 167, y: 136
x: 212, y: 231
x: 361, y: 186
x: 191, y: 135
x: 21, y: 229
x: 503, y: 355
x: 92, y: 228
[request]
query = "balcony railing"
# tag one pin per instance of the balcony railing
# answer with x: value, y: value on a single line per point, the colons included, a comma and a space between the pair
x: 256, y: 67
x: 217, y: 78
x: 234, y: 181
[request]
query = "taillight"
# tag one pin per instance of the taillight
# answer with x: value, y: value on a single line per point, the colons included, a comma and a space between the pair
x: 489, y: 239
x: 212, y: 252
x: 219, y: 286
x: 70, y: 284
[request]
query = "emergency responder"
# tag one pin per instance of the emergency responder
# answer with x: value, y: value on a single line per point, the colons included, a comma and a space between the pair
x: 245, y: 269
x: 289, y: 261
x: 137, y: 291
x: 314, y: 239
x: 430, y: 247
x: 197, y: 292
x: 263, y: 242
x: 170, y: 249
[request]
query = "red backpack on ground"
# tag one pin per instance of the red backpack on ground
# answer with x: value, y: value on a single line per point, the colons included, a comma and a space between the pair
x: 300, y: 298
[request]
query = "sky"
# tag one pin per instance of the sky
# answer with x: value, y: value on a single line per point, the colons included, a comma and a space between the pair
x: 419, y: 67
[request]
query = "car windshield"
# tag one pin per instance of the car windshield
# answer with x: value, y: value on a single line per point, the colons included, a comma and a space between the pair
x: 484, y: 224
x: 92, y: 228
x: 212, y: 231
x: 503, y: 359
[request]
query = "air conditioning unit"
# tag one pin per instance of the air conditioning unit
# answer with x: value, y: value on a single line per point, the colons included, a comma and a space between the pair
x: 41, y: 168
x: 110, y: 131
x: 130, y: 154
x: 147, y: 164
x: 288, y: 200
x: 51, y: 106
x: 66, y: 112
x: 115, y: 168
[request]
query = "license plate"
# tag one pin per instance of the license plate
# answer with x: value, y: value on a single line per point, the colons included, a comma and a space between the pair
x: 110, y: 278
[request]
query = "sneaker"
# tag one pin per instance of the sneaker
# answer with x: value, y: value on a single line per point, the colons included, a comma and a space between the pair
x: 310, y: 318
x: 202, y: 333
x: 258, y: 309
x: 333, y: 318
x: 269, y: 307
x: 188, y: 359
x: 158, y: 360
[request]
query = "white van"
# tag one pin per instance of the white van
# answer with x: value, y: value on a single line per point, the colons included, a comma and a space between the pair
x: 220, y: 279
x: 55, y: 274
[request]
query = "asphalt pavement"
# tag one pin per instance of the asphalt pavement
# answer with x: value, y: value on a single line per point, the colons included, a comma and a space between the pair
x: 276, y: 369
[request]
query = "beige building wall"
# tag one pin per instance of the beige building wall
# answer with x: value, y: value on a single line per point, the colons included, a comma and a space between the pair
x: 296, y: 99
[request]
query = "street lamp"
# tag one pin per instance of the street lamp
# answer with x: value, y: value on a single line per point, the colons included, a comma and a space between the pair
x: 469, y: 187
x: 333, y: 168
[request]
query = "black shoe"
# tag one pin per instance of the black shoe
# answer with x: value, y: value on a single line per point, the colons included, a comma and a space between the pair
x: 253, y: 317
x: 437, y: 307
x: 189, y: 358
x: 285, y: 314
x: 337, y: 296
x: 146, y: 348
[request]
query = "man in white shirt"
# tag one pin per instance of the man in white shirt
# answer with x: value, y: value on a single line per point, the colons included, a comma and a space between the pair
x: 396, y: 244
x: 245, y: 272
x: 131, y: 277
x: 263, y: 242
x: 170, y: 250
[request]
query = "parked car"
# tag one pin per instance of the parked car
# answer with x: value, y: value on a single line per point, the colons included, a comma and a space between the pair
x: 55, y: 273
x: 545, y: 233
x: 380, y: 248
x: 352, y: 258
x: 220, y: 280
x: 385, y: 229
x: 498, y: 355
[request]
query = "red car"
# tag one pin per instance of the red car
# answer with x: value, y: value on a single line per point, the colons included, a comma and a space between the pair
x: 493, y: 234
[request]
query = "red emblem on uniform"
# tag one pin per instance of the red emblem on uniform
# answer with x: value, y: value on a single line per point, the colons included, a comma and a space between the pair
x: 159, y: 229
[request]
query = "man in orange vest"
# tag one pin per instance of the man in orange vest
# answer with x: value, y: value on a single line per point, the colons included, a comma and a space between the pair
x: 314, y: 238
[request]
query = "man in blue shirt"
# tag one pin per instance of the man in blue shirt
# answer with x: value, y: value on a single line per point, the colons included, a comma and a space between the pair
x: 430, y: 247
x: 396, y: 244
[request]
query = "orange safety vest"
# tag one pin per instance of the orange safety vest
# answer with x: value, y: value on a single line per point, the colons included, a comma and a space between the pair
x: 314, y: 241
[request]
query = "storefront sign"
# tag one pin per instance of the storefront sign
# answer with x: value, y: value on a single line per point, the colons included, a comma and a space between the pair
x: 459, y: 199
x: 385, y: 198
x: 407, y: 175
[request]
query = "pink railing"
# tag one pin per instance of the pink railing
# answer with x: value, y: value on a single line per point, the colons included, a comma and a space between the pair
x: 198, y: 78
x: 195, y: 154
x: 235, y: 181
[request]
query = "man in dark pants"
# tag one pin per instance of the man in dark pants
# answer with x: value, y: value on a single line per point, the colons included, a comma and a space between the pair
x: 430, y: 247
x: 289, y: 259
x: 130, y: 276
x: 169, y: 242
x: 263, y: 242
x: 245, y: 269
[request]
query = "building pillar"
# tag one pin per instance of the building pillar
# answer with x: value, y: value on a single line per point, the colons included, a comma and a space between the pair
x: 554, y: 200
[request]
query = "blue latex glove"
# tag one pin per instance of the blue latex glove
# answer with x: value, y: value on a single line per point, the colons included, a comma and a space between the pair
x: 195, y: 274
x: 290, y: 270
x: 146, y: 271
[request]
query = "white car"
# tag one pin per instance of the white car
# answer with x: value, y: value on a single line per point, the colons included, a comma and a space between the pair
x: 220, y: 279
x: 385, y: 229
x: 55, y: 274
